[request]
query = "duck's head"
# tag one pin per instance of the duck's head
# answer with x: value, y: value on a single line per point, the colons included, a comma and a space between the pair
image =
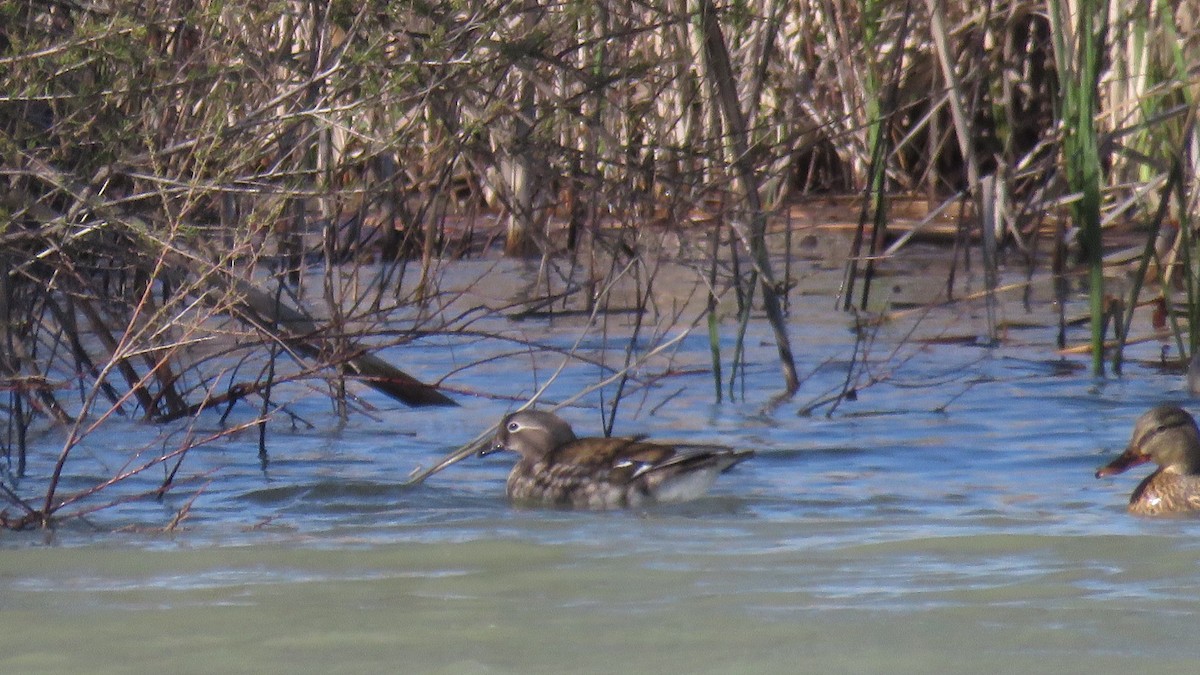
x: 1166, y: 435
x: 531, y: 433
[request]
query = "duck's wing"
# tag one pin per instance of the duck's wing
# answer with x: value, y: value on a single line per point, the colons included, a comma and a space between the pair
x: 627, y: 459
x: 620, y: 458
x: 721, y: 456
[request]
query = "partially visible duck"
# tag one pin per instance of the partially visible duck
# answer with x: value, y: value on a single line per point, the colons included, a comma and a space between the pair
x: 1166, y: 435
x: 558, y: 469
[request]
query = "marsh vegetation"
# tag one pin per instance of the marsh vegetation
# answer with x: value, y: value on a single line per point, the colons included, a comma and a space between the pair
x: 205, y: 204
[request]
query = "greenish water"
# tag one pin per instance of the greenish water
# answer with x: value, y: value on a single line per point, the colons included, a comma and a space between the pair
x: 971, y: 603
x: 946, y: 520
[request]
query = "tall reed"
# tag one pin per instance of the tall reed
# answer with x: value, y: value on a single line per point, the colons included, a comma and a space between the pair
x: 1079, y: 43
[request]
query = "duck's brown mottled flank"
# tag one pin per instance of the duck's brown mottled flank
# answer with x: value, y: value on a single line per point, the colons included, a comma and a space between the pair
x: 1166, y: 435
x: 558, y: 469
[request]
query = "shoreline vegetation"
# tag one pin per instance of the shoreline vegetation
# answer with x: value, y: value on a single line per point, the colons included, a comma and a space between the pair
x: 174, y: 172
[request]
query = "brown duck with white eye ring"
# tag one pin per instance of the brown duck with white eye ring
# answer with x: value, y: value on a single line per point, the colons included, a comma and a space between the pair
x: 558, y: 469
x: 1166, y: 435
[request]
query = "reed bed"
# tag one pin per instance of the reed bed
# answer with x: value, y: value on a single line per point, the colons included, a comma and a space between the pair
x: 174, y: 171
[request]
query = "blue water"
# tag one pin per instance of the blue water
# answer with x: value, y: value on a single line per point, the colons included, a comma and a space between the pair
x: 947, y: 519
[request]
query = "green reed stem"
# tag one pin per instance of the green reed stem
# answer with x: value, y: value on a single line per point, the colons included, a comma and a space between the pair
x: 1079, y: 74
x: 714, y: 347
x: 1139, y: 277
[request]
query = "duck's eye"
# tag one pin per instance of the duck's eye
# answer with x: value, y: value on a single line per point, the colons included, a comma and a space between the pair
x: 513, y: 426
x: 1163, y: 427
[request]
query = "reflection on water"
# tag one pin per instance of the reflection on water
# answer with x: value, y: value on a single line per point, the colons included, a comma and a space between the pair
x: 946, y: 519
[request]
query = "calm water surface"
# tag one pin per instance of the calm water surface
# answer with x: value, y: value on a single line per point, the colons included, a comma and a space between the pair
x: 945, y: 521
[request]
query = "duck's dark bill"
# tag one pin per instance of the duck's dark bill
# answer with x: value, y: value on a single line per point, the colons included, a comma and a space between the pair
x: 1129, y: 458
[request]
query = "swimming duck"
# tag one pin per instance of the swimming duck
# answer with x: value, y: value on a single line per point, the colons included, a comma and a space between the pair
x: 1166, y: 435
x: 558, y: 469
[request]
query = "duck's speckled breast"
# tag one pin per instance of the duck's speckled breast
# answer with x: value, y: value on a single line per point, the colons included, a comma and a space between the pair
x: 570, y: 485
x: 1162, y: 493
